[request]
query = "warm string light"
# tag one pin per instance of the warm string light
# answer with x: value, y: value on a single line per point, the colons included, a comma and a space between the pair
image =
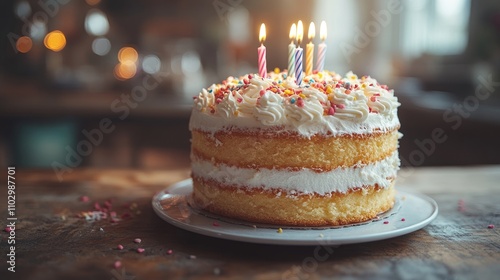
x: 126, y: 68
x: 55, y: 41
x: 24, y: 44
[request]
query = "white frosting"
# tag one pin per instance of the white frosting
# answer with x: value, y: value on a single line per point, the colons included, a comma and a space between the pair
x: 324, y: 104
x: 270, y: 110
x: 304, y: 181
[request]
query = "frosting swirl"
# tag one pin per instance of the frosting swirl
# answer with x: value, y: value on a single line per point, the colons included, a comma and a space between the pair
x: 270, y: 109
x: 323, y: 103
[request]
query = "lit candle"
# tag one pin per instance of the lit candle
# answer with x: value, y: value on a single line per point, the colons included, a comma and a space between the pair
x: 299, y: 53
x: 291, y: 51
x: 262, y: 52
x: 320, y: 63
x: 310, y: 49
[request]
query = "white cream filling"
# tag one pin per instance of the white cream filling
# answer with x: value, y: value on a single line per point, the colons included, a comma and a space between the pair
x: 304, y: 181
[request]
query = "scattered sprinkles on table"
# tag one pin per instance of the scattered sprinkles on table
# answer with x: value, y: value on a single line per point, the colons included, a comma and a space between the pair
x: 104, y: 212
x: 117, y: 264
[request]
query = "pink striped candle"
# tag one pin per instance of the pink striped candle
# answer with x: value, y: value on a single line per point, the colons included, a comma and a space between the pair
x: 320, y: 63
x: 262, y: 52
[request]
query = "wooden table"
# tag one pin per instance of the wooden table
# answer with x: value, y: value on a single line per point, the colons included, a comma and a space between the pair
x: 54, y: 240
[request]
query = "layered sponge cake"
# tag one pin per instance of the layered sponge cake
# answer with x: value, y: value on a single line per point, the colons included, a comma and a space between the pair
x: 322, y: 153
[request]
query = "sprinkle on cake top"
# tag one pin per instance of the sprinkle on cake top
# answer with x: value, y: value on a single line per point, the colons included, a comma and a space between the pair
x: 322, y: 97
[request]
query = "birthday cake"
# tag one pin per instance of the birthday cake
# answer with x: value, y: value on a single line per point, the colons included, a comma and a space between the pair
x: 322, y: 153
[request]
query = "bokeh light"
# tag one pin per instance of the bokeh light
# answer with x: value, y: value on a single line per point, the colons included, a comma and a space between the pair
x: 127, y: 54
x: 101, y: 46
x: 55, y: 41
x: 190, y: 62
x: 151, y: 64
x: 24, y: 44
x: 96, y: 23
x: 38, y: 29
x: 23, y: 9
x: 125, y: 70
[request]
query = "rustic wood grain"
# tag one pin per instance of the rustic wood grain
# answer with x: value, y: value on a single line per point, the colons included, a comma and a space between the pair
x: 54, y: 243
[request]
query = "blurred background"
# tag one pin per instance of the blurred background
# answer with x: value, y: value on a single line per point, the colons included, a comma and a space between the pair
x: 109, y: 83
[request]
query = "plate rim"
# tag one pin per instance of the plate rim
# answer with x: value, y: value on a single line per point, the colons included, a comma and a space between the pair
x: 213, y: 232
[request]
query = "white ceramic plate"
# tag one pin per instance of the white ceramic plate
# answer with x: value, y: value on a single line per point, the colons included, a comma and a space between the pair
x: 411, y: 212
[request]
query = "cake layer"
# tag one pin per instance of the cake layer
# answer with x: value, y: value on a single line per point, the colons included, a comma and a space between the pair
x: 259, y: 149
x: 303, y: 181
x: 261, y: 206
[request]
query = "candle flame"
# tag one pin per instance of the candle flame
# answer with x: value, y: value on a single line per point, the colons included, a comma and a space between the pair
x: 262, y: 33
x: 293, y: 32
x: 300, y: 31
x: 312, y: 31
x: 322, y: 31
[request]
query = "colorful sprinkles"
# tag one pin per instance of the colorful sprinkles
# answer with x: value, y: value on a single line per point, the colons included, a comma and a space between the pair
x: 327, y: 82
x: 117, y: 264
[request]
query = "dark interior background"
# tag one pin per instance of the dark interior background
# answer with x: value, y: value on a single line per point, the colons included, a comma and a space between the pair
x: 442, y: 58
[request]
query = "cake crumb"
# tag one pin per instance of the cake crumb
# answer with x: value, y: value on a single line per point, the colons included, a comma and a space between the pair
x: 386, y: 222
x: 280, y: 230
x: 403, y: 219
x: 321, y: 235
x: 491, y: 226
